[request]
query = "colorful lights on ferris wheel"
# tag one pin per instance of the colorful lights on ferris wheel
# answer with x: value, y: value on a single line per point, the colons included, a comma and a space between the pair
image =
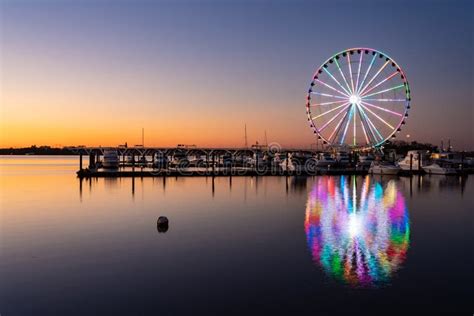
x: 358, y: 100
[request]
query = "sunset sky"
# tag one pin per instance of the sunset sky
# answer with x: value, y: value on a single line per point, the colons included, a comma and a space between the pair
x: 195, y: 72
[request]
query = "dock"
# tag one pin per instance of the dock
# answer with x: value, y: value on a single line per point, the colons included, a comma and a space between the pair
x: 143, y: 162
x: 231, y: 172
x: 190, y: 161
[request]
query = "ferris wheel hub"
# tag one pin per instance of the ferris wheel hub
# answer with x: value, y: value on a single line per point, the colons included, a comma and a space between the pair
x: 355, y: 99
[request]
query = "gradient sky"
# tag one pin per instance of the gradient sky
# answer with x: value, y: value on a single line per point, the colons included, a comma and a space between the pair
x: 194, y: 72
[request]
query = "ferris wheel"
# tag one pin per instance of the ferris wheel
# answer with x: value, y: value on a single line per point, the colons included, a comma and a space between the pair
x: 359, y: 98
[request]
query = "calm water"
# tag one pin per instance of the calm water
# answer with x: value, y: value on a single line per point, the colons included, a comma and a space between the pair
x: 319, y: 245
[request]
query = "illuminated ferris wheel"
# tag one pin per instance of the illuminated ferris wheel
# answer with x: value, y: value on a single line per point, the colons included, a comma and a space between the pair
x: 359, y: 98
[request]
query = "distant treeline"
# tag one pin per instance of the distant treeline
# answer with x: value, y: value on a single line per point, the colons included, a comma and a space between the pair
x: 402, y: 147
x: 35, y: 150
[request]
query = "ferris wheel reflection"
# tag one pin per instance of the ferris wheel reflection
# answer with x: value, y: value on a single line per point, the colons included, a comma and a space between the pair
x: 358, y: 233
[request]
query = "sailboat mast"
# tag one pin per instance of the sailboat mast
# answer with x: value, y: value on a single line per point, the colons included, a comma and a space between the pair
x: 246, y: 143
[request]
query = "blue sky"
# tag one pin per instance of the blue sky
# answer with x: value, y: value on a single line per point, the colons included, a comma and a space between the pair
x: 212, y: 66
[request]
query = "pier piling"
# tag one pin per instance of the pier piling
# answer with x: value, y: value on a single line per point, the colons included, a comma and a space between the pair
x: 256, y: 160
x: 91, y: 161
x: 419, y: 161
x: 213, y: 161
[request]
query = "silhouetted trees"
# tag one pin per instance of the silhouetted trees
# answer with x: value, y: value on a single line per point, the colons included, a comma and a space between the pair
x: 35, y: 150
x: 402, y: 147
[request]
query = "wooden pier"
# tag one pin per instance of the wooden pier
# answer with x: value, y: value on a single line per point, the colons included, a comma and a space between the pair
x: 231, y: 172
x: 141, y: 162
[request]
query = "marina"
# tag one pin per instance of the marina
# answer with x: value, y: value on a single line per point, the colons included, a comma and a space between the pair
x: 193, y: 161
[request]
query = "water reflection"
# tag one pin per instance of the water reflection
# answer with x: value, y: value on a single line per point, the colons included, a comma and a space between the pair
x: 357, y: 232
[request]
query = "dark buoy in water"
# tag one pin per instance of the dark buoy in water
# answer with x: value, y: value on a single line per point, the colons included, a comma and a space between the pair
x: 162, y: 224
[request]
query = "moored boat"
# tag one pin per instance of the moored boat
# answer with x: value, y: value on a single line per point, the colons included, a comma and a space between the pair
x: 160, y: 161
x: 379, y: 167
x: 287, y: 164
x: 111, y: 159
x: 414, y: 160
x: 437, y: 169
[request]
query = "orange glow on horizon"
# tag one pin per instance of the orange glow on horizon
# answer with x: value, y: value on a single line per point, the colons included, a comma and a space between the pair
x: 165, y: 134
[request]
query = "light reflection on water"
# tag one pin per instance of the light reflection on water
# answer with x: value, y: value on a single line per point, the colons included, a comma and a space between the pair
x: 72, y: 247
x: 359, y: 233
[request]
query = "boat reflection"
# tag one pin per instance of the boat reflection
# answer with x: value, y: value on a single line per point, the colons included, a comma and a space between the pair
x: 358, y: 234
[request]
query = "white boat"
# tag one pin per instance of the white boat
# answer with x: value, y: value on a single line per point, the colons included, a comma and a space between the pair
x: 257, y: 158
x: 287, y: 164
x: 180, y: 158
x: 111, y: 159
x: 195, y: 160
x: 437, y: 169
x: 378, y: 167
x: 417, y: 159
x: 278, y: 159
x: 160, y: 161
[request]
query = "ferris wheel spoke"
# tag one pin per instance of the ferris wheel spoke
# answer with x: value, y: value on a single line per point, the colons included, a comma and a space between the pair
x: 368, y: 70
x: 343, y: 76
x: 333, y: 118
x: 375, y: 76
x: 383, y: 91
x: 382, y: 109
x: 354, y: 126
x: 381, y: 82
x: 335, y: 80
x: 328, y: 103
x: 363, y: 127
x: 364, y: 123
x: 374, y: 114
x: 332, y: 88
x: 358, y: 72
x: 329, y: 95
x: 337, y: 126
x: 329, y: 111
x: 350, y: 71
x: 385, y: 100
x: 371, y: 125
x: 347, y: 124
